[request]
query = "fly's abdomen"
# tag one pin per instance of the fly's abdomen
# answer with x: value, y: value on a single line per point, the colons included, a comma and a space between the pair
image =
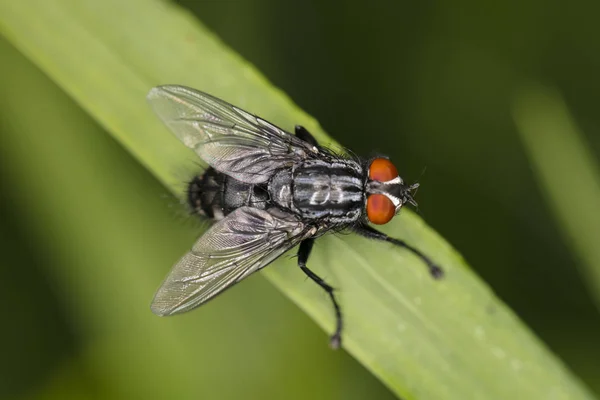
x: 328, y: 190
x: 215, y: 195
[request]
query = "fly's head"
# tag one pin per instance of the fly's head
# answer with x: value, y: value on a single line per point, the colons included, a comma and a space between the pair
x: 386, y: 192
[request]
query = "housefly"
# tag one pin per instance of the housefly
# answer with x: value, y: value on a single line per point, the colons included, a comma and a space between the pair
x: 267, y: 191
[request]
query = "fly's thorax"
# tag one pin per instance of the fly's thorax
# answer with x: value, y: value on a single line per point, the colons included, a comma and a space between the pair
x: 319, y: 189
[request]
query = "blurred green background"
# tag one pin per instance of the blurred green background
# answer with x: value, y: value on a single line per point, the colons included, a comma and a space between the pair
x: 434, y: 85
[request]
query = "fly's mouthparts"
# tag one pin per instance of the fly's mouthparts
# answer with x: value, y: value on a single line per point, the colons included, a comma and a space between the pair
x: 408, y: 199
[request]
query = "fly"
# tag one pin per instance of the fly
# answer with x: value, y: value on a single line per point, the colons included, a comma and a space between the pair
x: 267, y: 191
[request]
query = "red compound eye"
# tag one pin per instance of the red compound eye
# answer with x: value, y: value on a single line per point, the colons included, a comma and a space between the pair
x: 382, y: 170
x: 380, y: 209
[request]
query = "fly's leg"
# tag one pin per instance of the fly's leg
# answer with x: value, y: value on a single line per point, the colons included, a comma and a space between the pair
x: 303, y: 253
x: 371, y: 233
x: 305, y: 135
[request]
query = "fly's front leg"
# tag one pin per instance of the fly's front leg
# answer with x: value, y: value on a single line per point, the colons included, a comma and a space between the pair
x: 372, y: 233
x: 303, y: 253
x: 305, y: 135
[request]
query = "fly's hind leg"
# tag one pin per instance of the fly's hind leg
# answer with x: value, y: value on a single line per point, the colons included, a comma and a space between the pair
x: 303, y: 253
x: 305, y: 135
x: 371, y: 233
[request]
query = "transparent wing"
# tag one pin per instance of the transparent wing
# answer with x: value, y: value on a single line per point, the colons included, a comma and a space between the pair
x: 229, y: 139
x: 243, y: 242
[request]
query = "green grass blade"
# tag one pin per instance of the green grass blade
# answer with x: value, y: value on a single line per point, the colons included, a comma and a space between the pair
x: 566, y: 170
x: 451, y: 339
